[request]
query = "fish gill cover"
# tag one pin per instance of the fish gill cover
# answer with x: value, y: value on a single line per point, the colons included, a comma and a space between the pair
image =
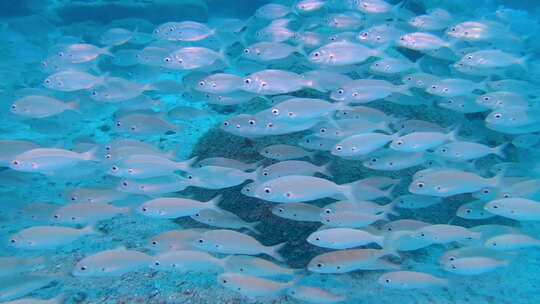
x: 302, y: 151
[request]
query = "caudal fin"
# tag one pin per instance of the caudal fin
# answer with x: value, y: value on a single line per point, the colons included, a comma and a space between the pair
x: 251, y: 227
x: 273, y: 251
x: 73, y: 106
x: 499, y: 150
x: 90, y: 154
x: 90, y: 229
x: 325, y: 169
x: 213, y: 203
x: 390, y: 209
x: 186, y: 164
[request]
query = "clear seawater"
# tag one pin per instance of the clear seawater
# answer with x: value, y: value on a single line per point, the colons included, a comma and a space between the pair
x: 27, y: 29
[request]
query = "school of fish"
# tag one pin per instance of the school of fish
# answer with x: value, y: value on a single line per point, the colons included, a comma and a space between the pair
x: 424, y: 107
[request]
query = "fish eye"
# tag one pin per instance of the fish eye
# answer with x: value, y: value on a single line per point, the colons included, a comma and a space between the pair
x: 13, y: 106
x: 409, y: 78
x: 497, y: 115
x: 468, y: 211
x: 281, y: 210
x: 200, y: 241
x: 444, y: 150
x: 495, y: 206
x: 56, y: 216
x: 144, y: 209
x: 339, y: 148
x: 247, y: 81
x: 167, y: 59
x: 252, y: 122
x: 374, y: 160
x: 399, y: 142
x: 433, y: 87
x: 224, y: 281
x: 125, y: 184
x: 13, y: 241
x: 316, y: 54
x: 317, y: 239
x: 506, y: 195
x: 265, y: 173
x: 340, y: 91
x: 225, y: 123
x: 118, y: 124
x: 320, y: 265
x: 15, y: 162
x: 201, y: 83
x: 114, y: 168
x: 453, y: 29
x: 246, y: 51
x: 323, y: 130
x: 469, y: 57
x: 420, y: 185
x: 83, y: 268
x: 48, y: 81
x: 267, y: 190
x: 275, y: 111
x: 454, y: 266
x: 387, y: 280
x: 486, y: 98
x: 445, y: 90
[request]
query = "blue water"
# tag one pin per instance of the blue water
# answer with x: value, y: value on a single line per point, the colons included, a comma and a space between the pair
x: 32, y: 30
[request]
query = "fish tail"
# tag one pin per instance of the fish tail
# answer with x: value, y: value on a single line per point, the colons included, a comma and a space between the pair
x: 523, y: 61
x: 389, y: 250
x: 385, y: 126
x: 107, y: 51
x: 300, y: 50
x: 379, y: 240
x: 325, y: 169
x: 90, y: 229
x: 390, y: 209
x: 404, y: 90
x: 214, y: 202
x: 452, y: 135
x: 90, y: 154
x: 73, y: 106
x: 273, y: 251
x: 443, y: 282
x: 499, y: 150
x: 251, y: 227
x: 186, y: 164
x: 388, y: 192
x: 495, y: 181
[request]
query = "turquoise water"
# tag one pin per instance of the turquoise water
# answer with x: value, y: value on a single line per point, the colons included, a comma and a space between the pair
x: 107, y: 88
